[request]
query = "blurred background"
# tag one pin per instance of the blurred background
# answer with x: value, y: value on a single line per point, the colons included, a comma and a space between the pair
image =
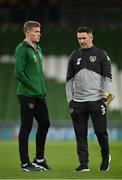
x: 59, y: 20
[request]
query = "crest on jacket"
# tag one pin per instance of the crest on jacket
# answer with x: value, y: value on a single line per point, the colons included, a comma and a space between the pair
x: 35, y: 58
x: 92, y: 58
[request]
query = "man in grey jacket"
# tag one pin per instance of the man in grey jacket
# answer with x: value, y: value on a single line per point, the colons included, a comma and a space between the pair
x: 88, y: 84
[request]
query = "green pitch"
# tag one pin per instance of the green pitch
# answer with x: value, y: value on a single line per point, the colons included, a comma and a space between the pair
x: 61, y: 156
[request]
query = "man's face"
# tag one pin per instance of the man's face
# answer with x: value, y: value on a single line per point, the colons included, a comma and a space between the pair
x: 85, y: 39
x: 34, y: 34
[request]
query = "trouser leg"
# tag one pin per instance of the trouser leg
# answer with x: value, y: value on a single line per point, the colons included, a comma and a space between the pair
x: 99, y: 120
x: 80, y: 122
x: 42, y: 117
x: 26, y: 113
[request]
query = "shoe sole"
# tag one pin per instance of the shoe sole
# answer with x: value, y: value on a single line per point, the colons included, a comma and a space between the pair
x: 41, y: 167
x: 84, y: 170
x: 27, y: 170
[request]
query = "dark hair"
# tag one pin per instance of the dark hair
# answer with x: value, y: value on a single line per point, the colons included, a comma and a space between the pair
x: 84, y: 29
x: 29, y: 25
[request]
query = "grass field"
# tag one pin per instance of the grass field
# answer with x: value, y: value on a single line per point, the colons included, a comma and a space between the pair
x: 61, y: 156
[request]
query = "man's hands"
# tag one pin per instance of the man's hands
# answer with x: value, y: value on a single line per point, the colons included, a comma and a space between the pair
x: 107, y: 98
x: 69, y: 101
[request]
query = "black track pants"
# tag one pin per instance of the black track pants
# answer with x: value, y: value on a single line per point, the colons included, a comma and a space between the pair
x: 80, y: 112
x: 32, y: 107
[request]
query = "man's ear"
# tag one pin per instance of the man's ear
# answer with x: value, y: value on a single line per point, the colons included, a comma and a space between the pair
x: 92, y: 36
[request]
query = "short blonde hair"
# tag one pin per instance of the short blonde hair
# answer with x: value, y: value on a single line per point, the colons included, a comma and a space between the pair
x: 28, y: 25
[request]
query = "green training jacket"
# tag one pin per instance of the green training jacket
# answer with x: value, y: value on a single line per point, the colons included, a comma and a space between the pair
x: 29, y: 71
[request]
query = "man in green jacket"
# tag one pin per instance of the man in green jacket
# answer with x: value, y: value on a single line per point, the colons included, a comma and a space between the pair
x: 31, y: 93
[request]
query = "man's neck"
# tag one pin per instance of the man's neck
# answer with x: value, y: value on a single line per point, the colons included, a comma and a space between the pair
x: 30, y: 42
